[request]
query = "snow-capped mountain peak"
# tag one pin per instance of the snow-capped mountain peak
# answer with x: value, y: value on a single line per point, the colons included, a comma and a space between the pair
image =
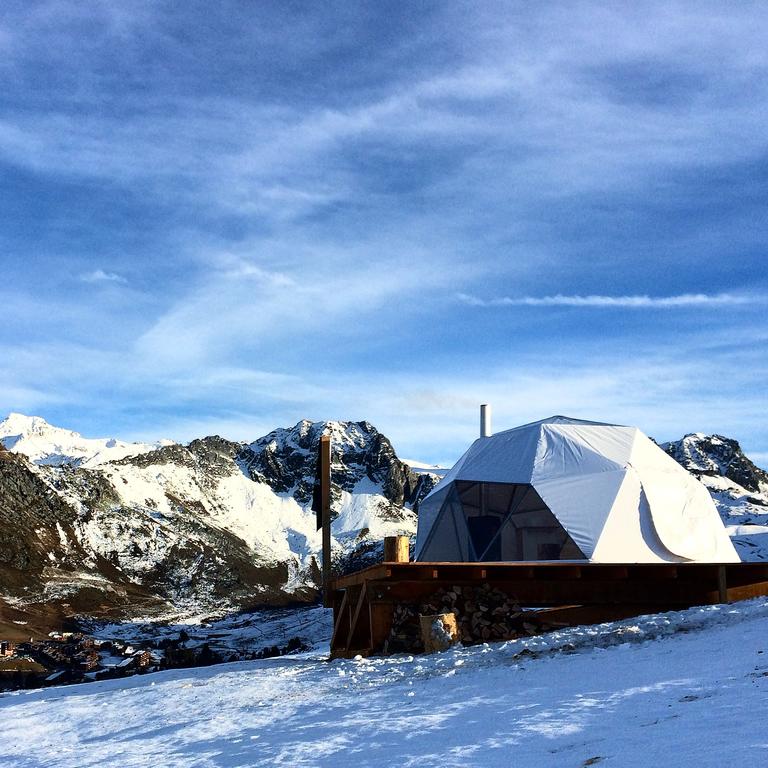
x: 715, y: 455
x: 738, y: 487
x: 45, y: 444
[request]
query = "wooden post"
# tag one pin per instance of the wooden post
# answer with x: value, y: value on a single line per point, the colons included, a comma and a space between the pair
x: 722, y: 584
x: 325, y: 507
x: 397, y: 549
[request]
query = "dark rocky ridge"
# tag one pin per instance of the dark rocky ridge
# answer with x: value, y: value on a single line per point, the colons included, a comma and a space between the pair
x: 285, y: 459
x: 713, y: 455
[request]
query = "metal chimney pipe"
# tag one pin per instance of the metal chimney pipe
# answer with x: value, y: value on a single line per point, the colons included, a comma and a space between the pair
x: 485, y: 420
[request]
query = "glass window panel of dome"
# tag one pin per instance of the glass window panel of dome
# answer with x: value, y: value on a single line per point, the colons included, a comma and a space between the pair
x: 542, y: 543
x: 499, y: 497
x: 482, y: 520
x: 443, y: 544
x: 456, y: 512
x: 530, y: 501
x: 549, y: 531
x: 510, y: 541
x: 532, y: 532
x: 511, y: 536
x: 469, y: 493
x: 506, y: 498
x: 533, y: 518
x: 519, y: 493
x: 571, y: 551
x: 482, y: 531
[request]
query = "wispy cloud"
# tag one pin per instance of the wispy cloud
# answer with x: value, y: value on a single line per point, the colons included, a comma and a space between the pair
x: 102, y: 276
x: 279, y: 222
x: 616, y: 302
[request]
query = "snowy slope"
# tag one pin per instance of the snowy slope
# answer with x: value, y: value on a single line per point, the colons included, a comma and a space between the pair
x: 43, y: 443
x: 684, y: 689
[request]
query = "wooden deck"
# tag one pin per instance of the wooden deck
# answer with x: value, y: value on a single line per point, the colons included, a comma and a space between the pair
x: 572, y: 593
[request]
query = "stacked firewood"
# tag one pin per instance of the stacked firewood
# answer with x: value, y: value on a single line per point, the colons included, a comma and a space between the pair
x: 484, y: 614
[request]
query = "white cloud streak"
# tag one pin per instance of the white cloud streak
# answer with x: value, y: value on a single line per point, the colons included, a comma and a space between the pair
x: 616, y: 302
x: 101, y: 276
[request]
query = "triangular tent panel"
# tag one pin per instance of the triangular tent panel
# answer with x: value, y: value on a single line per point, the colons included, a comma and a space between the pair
x: 629, y: 534
x: 429, y: 511
x: 565, y: 451
x: 566, y: 489
x: 682, y: 510
x: 596, y: 493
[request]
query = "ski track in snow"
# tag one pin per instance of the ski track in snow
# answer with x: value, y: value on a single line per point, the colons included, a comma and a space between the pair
x: 683, y: 689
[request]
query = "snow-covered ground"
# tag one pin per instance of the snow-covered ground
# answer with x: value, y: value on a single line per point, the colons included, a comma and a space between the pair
x: 237, y: 632
x: 685, y: 689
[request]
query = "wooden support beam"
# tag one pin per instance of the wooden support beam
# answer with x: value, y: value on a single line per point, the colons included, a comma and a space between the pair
x: 340, y: 623
x: 747, y: 591
x: 372, y: 573
x: 325, y: 511
x: 722, y: 584
x: 380, y: 617
x: 359, y: 625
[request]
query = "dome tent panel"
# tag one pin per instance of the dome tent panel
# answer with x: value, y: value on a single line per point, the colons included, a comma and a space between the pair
x: 428, y: 512
x: 612, y: 444
x: 582, y: 503
x: 564, y: 450
x: 682, y: 511
x: 628, y: 535
x: 504, y: 457
x: 683, y: 520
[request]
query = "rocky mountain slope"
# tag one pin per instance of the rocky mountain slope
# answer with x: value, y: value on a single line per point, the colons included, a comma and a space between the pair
x: 210, y: 525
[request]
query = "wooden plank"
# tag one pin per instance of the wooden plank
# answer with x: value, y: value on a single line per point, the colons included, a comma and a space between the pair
x: 379, y: 571
x: 740, y: 574
x: 496, y: 573
x: 646, y: 572
x: 380, y: 617
x: 567, y: 593
x: 747, y: 591
x: 547, y: 592
x: 358, y: 637
x: 340, y: 624
x: 618, y: 572
x: 576, y: 615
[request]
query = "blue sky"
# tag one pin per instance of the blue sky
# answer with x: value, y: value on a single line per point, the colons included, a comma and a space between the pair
x: 223, y: 217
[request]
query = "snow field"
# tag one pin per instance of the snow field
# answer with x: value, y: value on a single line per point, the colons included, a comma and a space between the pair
x: 683, y: 689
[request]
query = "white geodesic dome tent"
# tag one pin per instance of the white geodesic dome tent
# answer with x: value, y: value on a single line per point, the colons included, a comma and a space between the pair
x: 565, y: 489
